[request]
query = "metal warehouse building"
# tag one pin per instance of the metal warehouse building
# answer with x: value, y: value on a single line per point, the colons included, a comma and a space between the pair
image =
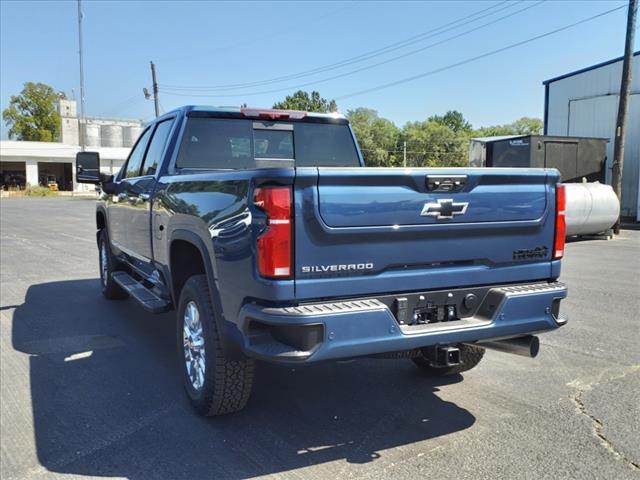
x: 585, y: 104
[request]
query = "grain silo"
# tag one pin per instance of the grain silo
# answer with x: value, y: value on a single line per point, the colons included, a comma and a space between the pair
x: 111, y: 135
x: 131, y: 134
x: 92, y: 136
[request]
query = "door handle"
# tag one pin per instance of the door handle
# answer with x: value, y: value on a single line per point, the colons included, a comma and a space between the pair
x: 137, y: 199
x: 446, y: 183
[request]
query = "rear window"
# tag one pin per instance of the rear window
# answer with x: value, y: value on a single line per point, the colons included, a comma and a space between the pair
x: 215, y: 143
x: 272, y: 141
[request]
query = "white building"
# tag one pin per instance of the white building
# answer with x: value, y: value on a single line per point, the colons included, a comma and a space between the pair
x: 585, y: 104
x: 35, y: 163
x: 38, y: 163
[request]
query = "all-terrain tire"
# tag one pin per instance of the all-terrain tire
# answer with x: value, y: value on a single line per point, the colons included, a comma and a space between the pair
x: 227, y: 383
x: 470, y: 356
x: 108, y: 265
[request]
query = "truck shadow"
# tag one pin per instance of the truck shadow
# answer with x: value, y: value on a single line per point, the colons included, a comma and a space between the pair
x: 107, y: 400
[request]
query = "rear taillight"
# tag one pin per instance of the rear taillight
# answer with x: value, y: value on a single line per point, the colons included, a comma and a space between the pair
x: 274, y: 245
x: 561, y: 228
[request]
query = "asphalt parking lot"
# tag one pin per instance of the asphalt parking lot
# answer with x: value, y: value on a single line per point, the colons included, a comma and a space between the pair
x: 91, y: 388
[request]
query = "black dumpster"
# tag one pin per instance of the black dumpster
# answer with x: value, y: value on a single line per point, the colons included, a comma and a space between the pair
x: 575, y: 157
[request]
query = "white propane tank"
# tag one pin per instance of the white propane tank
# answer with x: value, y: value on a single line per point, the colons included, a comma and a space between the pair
x: 591, y: 208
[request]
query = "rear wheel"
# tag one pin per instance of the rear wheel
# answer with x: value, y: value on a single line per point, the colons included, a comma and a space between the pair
x: 215, y: 384
x: 470, y: 356
x: 108, y: 265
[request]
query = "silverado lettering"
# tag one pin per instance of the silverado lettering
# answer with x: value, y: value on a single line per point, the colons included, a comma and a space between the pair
x: 527, y: 253
x: 337, y: 268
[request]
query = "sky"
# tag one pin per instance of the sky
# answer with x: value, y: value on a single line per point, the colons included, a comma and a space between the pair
x: 204, y: 50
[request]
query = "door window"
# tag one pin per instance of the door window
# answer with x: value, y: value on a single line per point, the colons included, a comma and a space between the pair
x: 137, y: 154
x: 156, y: 147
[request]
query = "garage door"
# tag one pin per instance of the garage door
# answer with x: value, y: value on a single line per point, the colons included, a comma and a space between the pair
x: 596, y: 117
x: 12, y: 175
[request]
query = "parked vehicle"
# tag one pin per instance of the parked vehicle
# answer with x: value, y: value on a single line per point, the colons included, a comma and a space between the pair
x: 266, y: 233
x: 51, y: 183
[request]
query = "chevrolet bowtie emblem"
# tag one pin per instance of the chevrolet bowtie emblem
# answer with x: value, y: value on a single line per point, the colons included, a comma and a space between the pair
x: 444, y: 209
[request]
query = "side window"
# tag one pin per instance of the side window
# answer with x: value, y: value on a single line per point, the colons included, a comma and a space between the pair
x: 216, y: 143
x: 156, y: 147
x: 137, y: 154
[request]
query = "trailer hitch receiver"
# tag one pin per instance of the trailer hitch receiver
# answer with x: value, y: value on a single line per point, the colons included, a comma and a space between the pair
x: 445, y: 357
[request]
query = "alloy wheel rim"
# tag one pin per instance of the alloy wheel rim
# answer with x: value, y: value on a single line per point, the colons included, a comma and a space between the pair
x: 193, y: 341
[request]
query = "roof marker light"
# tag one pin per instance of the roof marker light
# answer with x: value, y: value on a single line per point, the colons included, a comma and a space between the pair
x: 273, y: 114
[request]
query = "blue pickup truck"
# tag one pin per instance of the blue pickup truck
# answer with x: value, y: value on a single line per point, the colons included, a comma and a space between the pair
x: 270, y: 238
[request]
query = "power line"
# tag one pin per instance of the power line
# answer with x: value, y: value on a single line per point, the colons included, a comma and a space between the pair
x: 155, y: 88
x: 413, y: 152
x: 80, y: 54
x: 478, y: 57
x: 124, y: 105
x: 260, y: 38
x: 358, y: 58
x: 623, y: 106
x: 366, y: 67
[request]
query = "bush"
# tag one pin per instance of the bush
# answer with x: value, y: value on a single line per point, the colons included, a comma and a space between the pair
x: 39, y: 191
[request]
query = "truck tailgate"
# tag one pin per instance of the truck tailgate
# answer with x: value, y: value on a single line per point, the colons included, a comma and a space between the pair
x: 373, y: 230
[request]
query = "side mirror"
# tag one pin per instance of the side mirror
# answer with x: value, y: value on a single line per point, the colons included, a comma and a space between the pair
x: 88, y: 167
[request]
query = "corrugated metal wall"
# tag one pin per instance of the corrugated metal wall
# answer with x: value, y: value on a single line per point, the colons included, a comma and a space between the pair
x: 586, y: 104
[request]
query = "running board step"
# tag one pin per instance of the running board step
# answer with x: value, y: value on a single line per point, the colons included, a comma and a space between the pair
x: 141, y: 294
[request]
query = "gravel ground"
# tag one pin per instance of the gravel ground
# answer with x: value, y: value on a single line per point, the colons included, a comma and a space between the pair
x: 91, y: 388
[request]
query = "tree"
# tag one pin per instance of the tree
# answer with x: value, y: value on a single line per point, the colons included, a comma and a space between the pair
x: 377, y: 137
x: 301, y: 100
x: 452, y: 119
x: 522, y: 126
x: 32, y: 115
x: 494, y: 131
x: 431, y: 144
x: 528, y: 126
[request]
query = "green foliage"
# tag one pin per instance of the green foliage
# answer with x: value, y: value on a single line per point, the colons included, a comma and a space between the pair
x: 431, y: 144
x: 522, y: 126
x: 32, y: 115
x: 528, y: 126
x: 493, y: 131
x: 306, y: 102
x: 452, y: 119
x: 377, y: 137
x: 439, y: 141
x: 39, y: 191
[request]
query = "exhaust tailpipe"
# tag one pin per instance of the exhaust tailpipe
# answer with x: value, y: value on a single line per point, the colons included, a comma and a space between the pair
x: 527, y: 346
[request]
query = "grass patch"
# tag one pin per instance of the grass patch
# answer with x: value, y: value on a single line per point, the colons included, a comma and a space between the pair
x: 39, y: 192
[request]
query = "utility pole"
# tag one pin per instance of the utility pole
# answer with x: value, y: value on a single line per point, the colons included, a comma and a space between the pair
x: 155, y: 89
x: 81, y: 119
x: 623, y: 106
x: 404, y: 149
